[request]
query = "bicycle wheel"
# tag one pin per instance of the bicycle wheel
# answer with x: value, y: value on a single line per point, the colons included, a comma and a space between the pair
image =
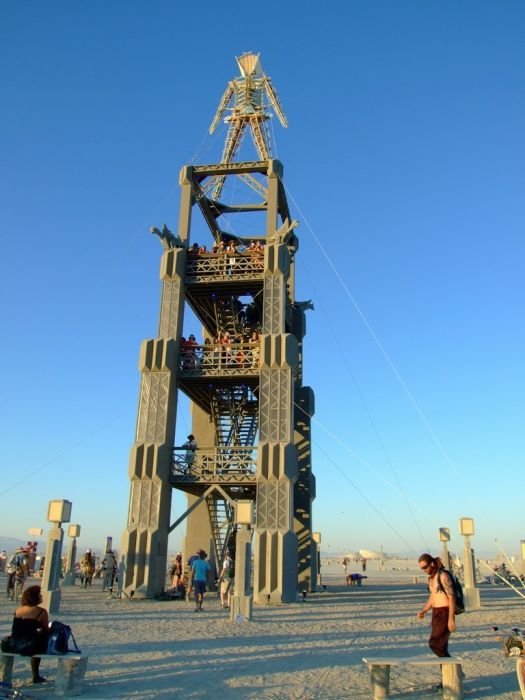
x: 520, y: 672
x: 7, y: 691
x: 17, y: 590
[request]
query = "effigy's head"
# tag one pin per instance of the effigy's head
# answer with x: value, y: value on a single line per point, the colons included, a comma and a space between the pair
x: 249, y: 64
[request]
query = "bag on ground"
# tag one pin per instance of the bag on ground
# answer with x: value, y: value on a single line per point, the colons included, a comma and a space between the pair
x: 513, y: 646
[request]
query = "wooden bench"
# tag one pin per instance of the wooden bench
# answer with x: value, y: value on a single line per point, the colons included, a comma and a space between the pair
x: 452, y: 675
x: 71, y: 669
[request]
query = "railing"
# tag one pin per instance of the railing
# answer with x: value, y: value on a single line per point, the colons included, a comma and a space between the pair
x: 233, y: 463
x: 204, y: 266
x: 216, y: 359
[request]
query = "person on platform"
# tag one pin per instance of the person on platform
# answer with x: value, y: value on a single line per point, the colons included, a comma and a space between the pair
x: 190, y: 446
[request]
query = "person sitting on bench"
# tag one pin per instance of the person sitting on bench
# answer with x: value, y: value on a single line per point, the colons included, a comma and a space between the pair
x: 30, y: 630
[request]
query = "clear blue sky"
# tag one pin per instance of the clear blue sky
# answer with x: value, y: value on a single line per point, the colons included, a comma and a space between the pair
x: 404, y: 161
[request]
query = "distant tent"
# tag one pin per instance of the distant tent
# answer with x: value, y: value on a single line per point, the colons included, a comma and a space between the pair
x: 369, y: 554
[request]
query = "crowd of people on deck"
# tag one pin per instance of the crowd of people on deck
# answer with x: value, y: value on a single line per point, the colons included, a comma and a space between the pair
x: 226, y: 349
x: 229, y: 257
x: 229, y: 248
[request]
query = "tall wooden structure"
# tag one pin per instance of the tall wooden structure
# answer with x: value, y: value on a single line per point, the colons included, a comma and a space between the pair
x: 250, y: 410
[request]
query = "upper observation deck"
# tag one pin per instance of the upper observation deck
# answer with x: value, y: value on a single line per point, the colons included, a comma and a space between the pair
x: 202, y: 268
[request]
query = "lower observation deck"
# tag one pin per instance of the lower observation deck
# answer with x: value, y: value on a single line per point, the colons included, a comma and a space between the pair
x: 220, y: 360
x: 233, y: 468
x: 206, y: 371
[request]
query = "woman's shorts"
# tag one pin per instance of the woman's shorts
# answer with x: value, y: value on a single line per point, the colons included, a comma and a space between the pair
x: 226, y: 585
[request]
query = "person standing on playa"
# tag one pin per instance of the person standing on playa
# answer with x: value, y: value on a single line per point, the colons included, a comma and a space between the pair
x: 87, y: 568
x: 200, y: 568
x: 190, y: 571
x: 226, y: 580
x: 442, y: 601
x: 109, y: 564
x: 176, y: 570
x: 16, y: 565
x: 346, y: 565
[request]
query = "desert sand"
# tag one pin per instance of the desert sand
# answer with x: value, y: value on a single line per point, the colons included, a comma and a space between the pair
x: 308, y: 650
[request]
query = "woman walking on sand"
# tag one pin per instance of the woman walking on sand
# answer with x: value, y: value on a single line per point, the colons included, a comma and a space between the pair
x: 176, y: 570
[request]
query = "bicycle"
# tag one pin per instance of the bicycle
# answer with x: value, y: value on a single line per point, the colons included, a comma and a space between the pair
x: 7, y: 691
x: 15, y: 593
x: 514, y: 646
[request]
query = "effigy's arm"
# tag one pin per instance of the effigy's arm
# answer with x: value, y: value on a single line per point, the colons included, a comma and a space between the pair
x: 274, y: 100
x: 222, y: 106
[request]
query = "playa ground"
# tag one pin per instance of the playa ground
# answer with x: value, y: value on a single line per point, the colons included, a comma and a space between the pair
x: 309, y: 650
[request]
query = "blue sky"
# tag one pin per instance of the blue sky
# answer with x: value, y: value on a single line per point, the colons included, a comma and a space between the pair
x: 404, y: 163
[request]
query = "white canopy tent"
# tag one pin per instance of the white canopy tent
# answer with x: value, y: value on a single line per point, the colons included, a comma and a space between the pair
x: 370, y: 554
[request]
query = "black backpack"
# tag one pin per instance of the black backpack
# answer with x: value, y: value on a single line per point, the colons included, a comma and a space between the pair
x: 458, y: 590
x: 58, y: 639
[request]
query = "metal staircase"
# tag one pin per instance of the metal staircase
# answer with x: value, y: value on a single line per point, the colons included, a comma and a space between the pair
x: 234, y: 414
x: 222, y: 527
x: 228, y: 315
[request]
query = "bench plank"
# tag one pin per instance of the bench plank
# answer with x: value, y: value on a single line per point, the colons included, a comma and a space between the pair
x: 69, y: 655
x: 451, y: 673
x: 413, y: 660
